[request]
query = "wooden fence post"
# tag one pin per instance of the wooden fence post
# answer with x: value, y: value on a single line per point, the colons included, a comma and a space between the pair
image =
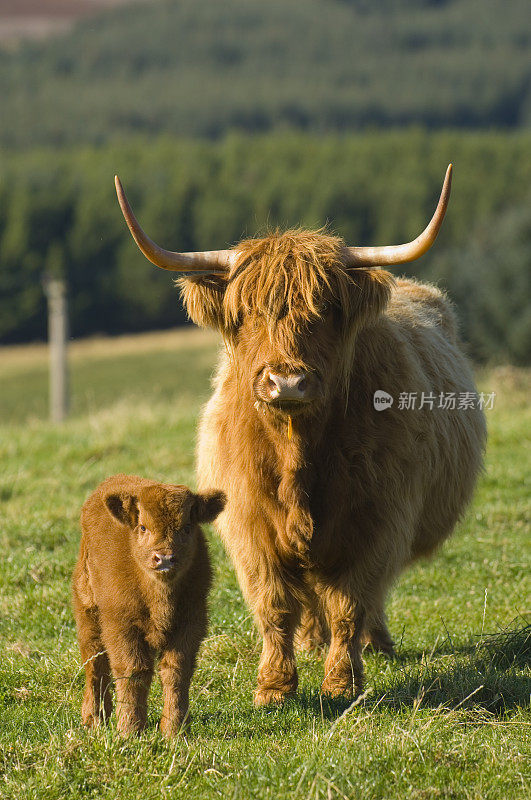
x: 55, y: 289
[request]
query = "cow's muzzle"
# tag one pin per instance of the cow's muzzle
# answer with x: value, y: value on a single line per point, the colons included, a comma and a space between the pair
x: 290, y: 391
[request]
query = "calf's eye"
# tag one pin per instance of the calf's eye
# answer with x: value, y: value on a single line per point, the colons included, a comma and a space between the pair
x: 143, y: 528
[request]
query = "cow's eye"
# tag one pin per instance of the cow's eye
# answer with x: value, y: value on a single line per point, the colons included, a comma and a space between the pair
x: 143, y: 528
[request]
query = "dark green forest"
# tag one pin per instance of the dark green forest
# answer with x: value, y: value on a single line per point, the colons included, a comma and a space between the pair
x: 228, y: 119
x: 370, y: 188
x: 202, y: 67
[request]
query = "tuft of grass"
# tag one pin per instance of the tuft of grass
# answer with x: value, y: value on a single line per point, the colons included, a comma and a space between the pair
x: 449, y: 718
x: 490, y: 676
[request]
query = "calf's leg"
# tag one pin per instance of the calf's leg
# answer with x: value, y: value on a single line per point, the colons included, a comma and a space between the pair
x: 176, y: 670
x: 97, y: 699
x: 132, y: 663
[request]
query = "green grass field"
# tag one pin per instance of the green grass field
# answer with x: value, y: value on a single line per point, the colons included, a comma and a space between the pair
x: 448, y: 719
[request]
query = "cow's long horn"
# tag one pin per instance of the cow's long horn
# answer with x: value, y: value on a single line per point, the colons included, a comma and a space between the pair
x: 205, y: 261
x: 401, y: 253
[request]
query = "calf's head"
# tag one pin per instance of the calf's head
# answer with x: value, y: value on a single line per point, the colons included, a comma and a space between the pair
x: 163, y: 523
x: 290, y: 305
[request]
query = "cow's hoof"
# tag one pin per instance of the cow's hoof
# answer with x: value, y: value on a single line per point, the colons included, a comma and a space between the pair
x: 379, y: 641
x: 384, y: 648
x: 267, y: 697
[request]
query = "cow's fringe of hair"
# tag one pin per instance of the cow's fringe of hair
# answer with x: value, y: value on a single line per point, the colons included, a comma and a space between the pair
x: 285, y: 275
x: 288, y: 278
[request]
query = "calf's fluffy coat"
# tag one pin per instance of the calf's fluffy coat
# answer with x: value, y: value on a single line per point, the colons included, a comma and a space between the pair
x: 140, y: 588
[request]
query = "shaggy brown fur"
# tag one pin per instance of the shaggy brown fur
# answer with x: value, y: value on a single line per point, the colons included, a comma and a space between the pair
x: 328, y: 502
x: 139, y: 589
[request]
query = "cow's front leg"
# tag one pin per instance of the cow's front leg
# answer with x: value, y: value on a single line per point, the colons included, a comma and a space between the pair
x: 344, y: 664
x: 277, y: 672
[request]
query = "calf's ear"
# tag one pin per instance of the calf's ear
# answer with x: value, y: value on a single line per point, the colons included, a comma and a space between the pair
x: 123, y: 507
x: 207, y: 505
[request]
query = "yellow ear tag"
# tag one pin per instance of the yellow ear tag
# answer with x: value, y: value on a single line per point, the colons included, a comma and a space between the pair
x: 290, y: 428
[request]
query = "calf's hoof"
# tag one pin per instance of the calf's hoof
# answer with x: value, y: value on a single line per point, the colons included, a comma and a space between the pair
x: 93, y: 719
x: 130, y: 727
x: 173, y: 727
x: 337, y: 689
x: 89, y: 720
x: 266, y: 697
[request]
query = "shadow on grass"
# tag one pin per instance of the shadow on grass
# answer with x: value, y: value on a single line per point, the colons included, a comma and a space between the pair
x: 489, y: 676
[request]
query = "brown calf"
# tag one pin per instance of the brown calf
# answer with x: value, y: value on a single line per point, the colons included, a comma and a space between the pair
x: 139, y: 589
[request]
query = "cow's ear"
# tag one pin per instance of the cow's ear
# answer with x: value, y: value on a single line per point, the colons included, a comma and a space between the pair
x: 369, y: 295
x: 207, y: 505
x: 123, y: 507
x: 202, y: 296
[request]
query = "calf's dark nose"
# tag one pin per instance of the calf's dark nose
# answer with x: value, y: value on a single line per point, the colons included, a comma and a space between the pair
x: 162, y: 562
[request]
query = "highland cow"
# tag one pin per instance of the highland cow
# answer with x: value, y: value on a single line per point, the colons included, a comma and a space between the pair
x: 329, y: 498
x: 140, y: 590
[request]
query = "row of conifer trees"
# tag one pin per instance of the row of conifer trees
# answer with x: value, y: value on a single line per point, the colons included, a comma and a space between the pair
x: 58, y: 213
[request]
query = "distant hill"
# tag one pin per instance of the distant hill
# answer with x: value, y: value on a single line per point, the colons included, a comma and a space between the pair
x: 200, y: 67
x: 39, y: 19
